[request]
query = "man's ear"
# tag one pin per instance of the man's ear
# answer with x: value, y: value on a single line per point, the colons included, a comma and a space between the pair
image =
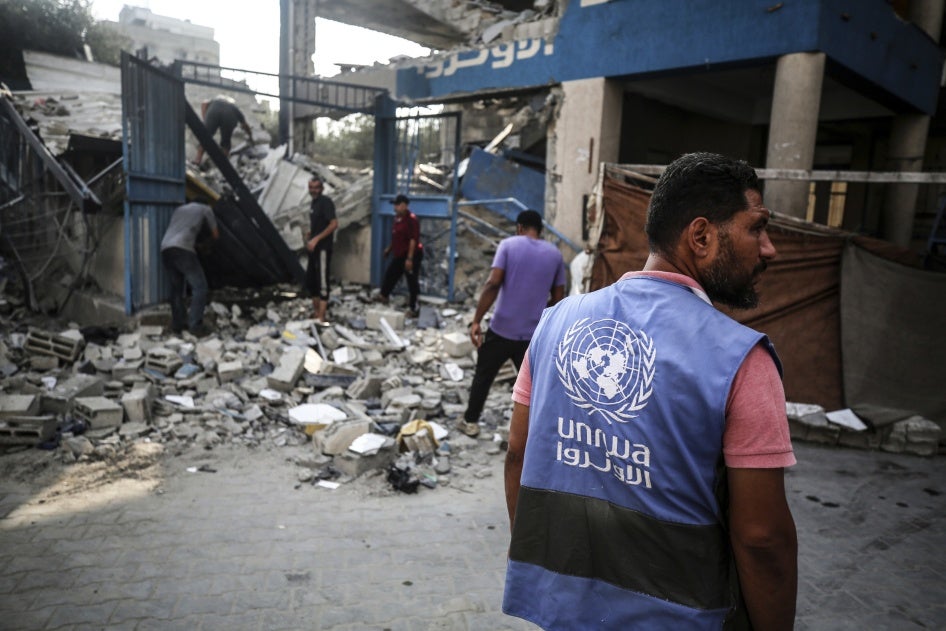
x: 699, y: 236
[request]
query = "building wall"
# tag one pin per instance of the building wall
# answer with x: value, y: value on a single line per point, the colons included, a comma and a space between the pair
x: 584, y: 135
x: 168, y: 38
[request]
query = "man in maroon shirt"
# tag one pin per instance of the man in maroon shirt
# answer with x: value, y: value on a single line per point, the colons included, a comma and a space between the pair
x: 407, y: 252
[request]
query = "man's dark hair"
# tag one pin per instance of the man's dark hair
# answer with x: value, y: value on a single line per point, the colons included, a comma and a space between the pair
x: 696, y: 185
x: 316, y: 178
x: 530, y: 219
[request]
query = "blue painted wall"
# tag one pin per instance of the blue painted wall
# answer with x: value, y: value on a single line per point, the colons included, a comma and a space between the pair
x: 624, y: 38
x: 492, y: 177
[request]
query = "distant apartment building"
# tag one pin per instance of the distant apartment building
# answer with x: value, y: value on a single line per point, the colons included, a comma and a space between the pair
x: 168, y: 38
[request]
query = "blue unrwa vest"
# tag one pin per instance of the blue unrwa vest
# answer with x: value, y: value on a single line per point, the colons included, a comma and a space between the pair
x: 618, y: 522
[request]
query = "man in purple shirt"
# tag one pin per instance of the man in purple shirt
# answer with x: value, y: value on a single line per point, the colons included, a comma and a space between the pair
x: 527, y: 275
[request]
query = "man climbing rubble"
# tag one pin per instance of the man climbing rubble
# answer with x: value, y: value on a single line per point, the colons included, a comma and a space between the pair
x: 222, y: 113
x: 527, y: 275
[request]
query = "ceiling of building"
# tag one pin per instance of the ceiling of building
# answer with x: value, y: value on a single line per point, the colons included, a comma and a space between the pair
x: 393, y: 17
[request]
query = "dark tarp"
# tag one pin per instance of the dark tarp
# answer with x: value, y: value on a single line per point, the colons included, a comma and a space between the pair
x: 893, y: 334
x: 800, y: 307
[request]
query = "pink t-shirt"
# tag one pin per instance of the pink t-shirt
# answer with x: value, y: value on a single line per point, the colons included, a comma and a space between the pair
x: 756, y: 434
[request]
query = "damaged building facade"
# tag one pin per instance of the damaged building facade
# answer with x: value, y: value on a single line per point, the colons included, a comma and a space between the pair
x: 800, y: 85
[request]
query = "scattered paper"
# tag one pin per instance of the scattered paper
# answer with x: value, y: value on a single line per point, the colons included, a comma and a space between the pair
x: 183, y: 401
x: 367, y: 444
x: 316, y: 413
x: 327, y: 484
x: 846, y: 418
x: 342, y: 355
x: 440, y: 432
x: 270, y: 395
x: 452, y: 371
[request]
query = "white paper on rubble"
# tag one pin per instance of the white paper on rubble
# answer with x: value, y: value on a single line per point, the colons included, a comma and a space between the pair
x: 270, y: 395
x: 316, y: 413
x: 342, y: 355
x: 452, y: 371
x: 327, y: 484
x: 440, y: 432
x: 846, y: 418
x: 184, y: 401
x: 367, y: 444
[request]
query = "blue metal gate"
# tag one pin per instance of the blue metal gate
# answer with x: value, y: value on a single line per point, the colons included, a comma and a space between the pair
x: 403, y: 144
x: 153, y: 149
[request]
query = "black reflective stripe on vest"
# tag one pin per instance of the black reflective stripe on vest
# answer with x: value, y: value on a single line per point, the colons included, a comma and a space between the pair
x: 591, y: 538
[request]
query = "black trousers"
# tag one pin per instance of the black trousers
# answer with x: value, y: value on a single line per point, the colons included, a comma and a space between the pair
x: 394, y: 272
x: 492, y: 354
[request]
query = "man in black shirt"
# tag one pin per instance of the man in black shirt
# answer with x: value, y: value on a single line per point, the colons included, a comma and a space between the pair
x: 318, y: 242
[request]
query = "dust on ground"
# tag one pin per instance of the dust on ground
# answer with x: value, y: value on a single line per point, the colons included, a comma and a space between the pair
x: 46, y: 478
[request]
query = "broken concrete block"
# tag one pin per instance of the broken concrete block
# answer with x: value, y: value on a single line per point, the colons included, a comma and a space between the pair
x: 365, y: 388
x: 209, y: 350
x: 394, y: 318
x: 259, y: 331
x: 42, y: 363
x: 372, y: 357
x: 403, y: 402
x: 315, y: 416
x: 137, y: 405
x: 19, y: 405
x: 122, y: 368
x: 79, y: 446
x: 134, y: 430
x: 60, y: 399
x: 287, y: 373
x: 98, y: 412
x: 388, y: 329
x: 863, y: 439
x: 63, y: 345
x: 128, y: 339
x: 390, y: 393
x: 336, y: 438
x: 353, y: 464
x: 313, y: 362
x: 457, y: 344
x: 163, y: 360
x: 26, y: 430
x: 229, y: 371
x: 345, y: 336
x: 915, y: 435
x: 346, y: 355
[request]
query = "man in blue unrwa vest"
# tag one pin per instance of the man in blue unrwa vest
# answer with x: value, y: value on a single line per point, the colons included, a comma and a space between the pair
x: 644, y: 476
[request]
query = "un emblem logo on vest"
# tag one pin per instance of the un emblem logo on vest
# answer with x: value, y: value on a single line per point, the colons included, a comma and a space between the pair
x: 607, y: 368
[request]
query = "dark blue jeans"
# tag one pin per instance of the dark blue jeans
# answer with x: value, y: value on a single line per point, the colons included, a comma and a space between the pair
x: 184, y: 270
x: 490, y: 357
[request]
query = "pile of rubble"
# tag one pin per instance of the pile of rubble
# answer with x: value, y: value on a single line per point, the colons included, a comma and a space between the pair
x: 374, y: 391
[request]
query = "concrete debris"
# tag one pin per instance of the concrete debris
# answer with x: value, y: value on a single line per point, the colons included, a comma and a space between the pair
x: 266, y: 376
x: 912, y: 434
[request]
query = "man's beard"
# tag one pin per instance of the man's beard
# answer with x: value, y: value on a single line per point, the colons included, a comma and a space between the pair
x: 725, y: 284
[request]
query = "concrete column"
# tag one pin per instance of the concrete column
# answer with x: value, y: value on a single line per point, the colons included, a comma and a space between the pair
x: 793, y: 128
x: 907, y: 146
x: 908, y: 143
x: 586, y: 133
